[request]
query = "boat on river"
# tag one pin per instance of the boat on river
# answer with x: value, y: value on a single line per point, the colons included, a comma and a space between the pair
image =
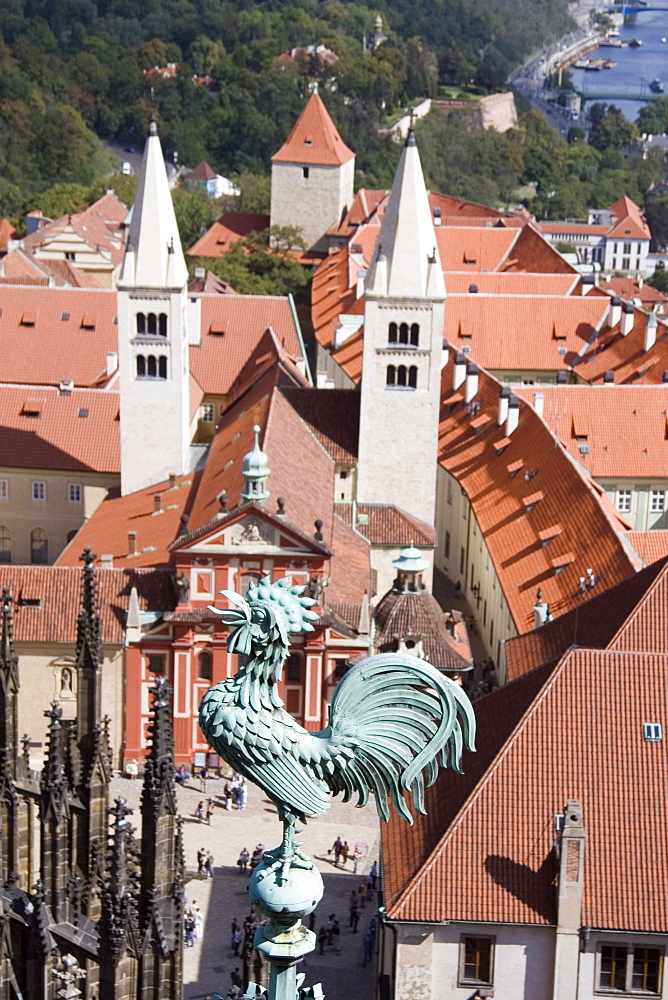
x: 656, y: 86
x: 635, y: 43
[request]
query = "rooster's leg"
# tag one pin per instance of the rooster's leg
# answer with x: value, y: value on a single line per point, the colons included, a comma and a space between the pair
x: 288, y: 854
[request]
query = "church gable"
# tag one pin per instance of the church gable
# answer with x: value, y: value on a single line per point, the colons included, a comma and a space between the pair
x: 253, y: 533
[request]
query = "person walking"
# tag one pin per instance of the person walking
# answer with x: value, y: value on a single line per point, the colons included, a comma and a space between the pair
x: 330, y: 929
x: 363, y: 894
x: 190, y: 932
x: 208, y: 865
x: 209, y: 809
x: 345, y: 851
x: 234, y: 927
x: 337, y: 847
x: 199, y: 812
x: 322, y: 940
x: 374, y: 874
x: 236, y: 941
x: 243, y: 860
x: 201, y: 858
x: 357, y: 857
x: 368, y: 950
x: 199, y: 923
x: 354, y: 919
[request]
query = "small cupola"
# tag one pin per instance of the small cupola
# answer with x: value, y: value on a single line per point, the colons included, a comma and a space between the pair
x: 255, y: 471
x: 410, y: 566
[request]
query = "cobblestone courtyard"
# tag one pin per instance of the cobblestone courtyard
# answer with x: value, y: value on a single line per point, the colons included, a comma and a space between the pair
x: 209, y: 963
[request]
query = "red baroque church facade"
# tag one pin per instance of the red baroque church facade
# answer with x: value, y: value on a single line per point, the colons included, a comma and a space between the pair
x: 188, y: 645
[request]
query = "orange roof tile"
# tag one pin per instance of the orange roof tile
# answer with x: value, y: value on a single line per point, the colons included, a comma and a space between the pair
x: 650, y: 545
x: 630, y: 223
x: 631, y: 290
x: 74, y: 431
x: 383, y: 524
x: 229, y: 228
x: 232, y: 326
x: 314, y: 139
x: 512, y: 283
x: 505, y: 870
x: 522, y: 563
x: 7, y: 233
x: 332, y: 415
x: 59, y: 590
x: 626, y: 356
x: 100, y: 226
x: 624, y: 426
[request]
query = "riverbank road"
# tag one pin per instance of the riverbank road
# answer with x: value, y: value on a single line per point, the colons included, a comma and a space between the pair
x: 209, y: 964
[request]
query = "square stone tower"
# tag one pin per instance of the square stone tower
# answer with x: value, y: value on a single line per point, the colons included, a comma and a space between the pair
x: 312, y: 175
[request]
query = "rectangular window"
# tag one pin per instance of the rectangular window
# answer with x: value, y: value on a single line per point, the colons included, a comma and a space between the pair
x: 38, y: 490
x: 207, y: 413
x: 449, y: 491
x: 626, y: 263
x: 462, y: 559
x: 623, y: 501
x: 627, y: 248
x: 4, y: 489
x: 155, y: 663
x: 293, y: 669
x: 305, y: 172
x: 630, y: 970
x: 74, y: 492
x: 447, y: 545
x: 653, y: 731
x: 657, y: 501
x: 475, y: 960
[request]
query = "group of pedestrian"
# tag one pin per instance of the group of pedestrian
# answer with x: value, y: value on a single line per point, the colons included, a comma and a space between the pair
x: 340, y: 850
x: 242, y: 860
x: 205, y: 811
x: 193, y: 923
x: 236, y: 792
x: 328, y: 932
x: 487, y: 682
x: 235, y: 936
x: 204, y: 863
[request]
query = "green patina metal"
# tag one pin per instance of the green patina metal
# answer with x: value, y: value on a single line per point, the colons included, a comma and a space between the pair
x: 393, y: 720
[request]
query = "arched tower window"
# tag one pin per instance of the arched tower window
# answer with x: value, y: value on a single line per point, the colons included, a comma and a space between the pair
x: 39, y: 547
x: 152, y: 367
x: 415, y: 334
x: 205, y: 665
x: 412, y: 376
x: 401, y: 375
x: 152, y: 326
x: 391, y: 375
x: 392, y: 333
x: 141, y: 323
x: 5, y: 544
x: 162, y: 366
x: 162, y: 324
x: 141, y: 366
x: 403, y: 333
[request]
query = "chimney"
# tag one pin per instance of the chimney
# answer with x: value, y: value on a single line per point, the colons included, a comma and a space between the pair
x: 473, y: 289
x: 437, y: 216
x: 615, y: 311
x: 364, y: 624
x: 541, y: 611
x: 471, y: 389
x: 200, y: 272
x: 445, y: 354
x: 112, y: 362
x: 359, y: 290
x: 172, y: 480
x: 183, y: 527
x: 571, y: 848
x: 132, y: 543
x: 588, y: 281
x: 627, y: 319
x: 513, y: 418
x: 664, y: 377
x: 504, y: 396
x: 458, y: 370
x: 539, y: 402
x: 640, y: 281
x: 51, y: 281
x: 157, y: 502
x: 609, y: 377
x: 106, y: 561
x: 650, y: 331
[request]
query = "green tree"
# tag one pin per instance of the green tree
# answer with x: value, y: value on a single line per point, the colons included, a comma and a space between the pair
x: 254, y: 192
x: 656, y: 213
x: 653, y: 117
x: 609, y: 128
x: 659, y: 280
x: 262, y: 263
x: 195, y: 212
x: 61, y: 199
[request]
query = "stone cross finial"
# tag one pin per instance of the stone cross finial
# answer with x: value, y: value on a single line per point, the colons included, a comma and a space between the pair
x: 69, y: 974
x: 120, y: 810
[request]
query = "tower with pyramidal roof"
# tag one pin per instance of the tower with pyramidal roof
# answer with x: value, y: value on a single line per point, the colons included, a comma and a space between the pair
x: 312, y: 175
x: 403, y: 343
x: 153, y: 334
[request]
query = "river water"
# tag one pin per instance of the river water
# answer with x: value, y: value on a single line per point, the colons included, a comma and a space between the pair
x: 629, y: 80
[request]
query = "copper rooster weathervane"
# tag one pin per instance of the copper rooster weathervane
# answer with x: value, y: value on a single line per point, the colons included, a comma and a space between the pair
x: 393, y: 720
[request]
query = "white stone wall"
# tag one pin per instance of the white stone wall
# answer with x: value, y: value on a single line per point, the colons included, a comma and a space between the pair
x: 155, y: 413
x: 312, y: 203
x: 470, y: 563
x: 399, y: 427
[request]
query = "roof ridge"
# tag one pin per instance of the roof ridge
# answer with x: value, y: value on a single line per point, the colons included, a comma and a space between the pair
x: 485, y: 779
x: 639, y: 606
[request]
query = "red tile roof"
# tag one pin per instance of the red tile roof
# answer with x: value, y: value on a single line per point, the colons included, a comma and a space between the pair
x: 630, y: 289
x: 512, y: 283
x: 626, y: 356
x: 591, y: 529
x: 383, y: 524
x: 229, y: 228
x: 630, y: 223
x: 7, y: 233
x: 314, y: 139
x: 571, y: 229
x: 75, y: 431
x: 650, y: 545
x: 100, y: 226
x: 592, y: 624
x: 505, y: 863
x: 398, y: 615
x: 616, y: 430
x: 333, y: 417
x: 59, y: 589
x: 202, y: 172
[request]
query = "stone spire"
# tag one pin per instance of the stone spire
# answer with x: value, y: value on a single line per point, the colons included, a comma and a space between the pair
x: 406, y: 263
x: 154, y: 257
x: 161, y: 912
x: 9, y: 686
x: 89, y: 659
x: 118, y: 927
x: 255, y: 471
x: 54, y: 816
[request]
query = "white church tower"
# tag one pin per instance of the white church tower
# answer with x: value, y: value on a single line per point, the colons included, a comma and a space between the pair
x: 152, y: 334
x: 403, y: 340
